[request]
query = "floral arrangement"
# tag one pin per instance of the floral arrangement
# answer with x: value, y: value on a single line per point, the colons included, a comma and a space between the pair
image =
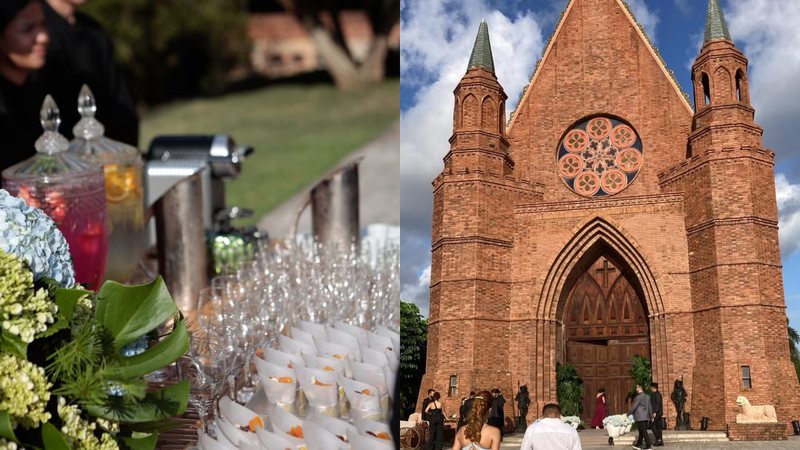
x: 72, y: 361
x: 573, y: 421
x: 619, y: 420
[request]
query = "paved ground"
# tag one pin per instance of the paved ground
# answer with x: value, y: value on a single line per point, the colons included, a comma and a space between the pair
x: 598, y: 440
x: 379, y: 188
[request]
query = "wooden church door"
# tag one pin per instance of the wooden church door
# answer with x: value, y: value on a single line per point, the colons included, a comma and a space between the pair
x: 605, y: 327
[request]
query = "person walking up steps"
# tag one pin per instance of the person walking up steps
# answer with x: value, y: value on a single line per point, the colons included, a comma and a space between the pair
x: 657, y: 403
x: 642, y: 412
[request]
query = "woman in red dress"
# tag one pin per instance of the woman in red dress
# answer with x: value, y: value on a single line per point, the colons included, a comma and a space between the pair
x: 600, y: 409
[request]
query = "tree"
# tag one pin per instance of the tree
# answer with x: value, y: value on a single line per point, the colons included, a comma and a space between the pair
x: 174, y: 48
x: 322, y: 21
x: 794, y: 341
x: 569, y: 390
x: 413, y: 341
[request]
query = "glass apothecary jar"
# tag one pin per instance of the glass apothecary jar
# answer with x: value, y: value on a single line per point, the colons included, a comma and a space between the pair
x: 69, y: 189
x: 122, y: 166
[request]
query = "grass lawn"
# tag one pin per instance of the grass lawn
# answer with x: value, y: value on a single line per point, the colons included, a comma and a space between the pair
x: 298, y: 132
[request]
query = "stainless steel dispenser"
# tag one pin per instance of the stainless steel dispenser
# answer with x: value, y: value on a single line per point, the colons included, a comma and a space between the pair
x: 171, y: 158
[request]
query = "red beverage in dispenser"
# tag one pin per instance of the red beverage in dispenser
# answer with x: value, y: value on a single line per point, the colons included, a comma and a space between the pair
x: 69, y: 189
x: 124, y: 194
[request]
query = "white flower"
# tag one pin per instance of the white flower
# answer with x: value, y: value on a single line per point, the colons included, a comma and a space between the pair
x: 24, y: 312
x: 24, y: 391
x: 80, y: 432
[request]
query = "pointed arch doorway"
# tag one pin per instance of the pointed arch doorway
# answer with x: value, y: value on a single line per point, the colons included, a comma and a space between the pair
x: 605, y: 325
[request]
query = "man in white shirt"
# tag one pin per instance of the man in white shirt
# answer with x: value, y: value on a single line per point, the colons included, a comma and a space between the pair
x: 550, y: 433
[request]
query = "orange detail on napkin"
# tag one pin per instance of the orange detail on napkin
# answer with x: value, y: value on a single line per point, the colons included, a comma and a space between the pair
x: 255, y: 422
x: 296, y: 431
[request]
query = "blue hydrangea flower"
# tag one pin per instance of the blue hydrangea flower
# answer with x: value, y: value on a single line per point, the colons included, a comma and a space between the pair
x: 31, y: 235
x: 136, y: 347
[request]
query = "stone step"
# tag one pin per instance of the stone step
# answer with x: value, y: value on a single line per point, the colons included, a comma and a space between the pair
x: 676, y: 437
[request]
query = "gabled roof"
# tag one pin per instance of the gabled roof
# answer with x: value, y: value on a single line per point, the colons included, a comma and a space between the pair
x: 482, y: 50
x: 640, y: 30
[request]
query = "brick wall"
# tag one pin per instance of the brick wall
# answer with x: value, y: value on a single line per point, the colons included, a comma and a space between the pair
x: 756, y: 432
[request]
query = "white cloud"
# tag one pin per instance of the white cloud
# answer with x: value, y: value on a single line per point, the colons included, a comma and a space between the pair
x: 419, y: 291
x: 788, y: 195
x: 766, y: 31
x: 684, y: 5
x: 647, y: 18
x: 438, y: 36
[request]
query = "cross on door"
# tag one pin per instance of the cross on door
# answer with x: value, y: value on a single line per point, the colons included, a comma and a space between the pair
x: 605, y: 270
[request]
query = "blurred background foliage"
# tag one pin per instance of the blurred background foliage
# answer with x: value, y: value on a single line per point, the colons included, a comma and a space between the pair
x: 171, y: 49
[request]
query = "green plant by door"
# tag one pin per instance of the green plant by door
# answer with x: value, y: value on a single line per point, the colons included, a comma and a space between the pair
x: 570, y: 390
x: 642, y: 373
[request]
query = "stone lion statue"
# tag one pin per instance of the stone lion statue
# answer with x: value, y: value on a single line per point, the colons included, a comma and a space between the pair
x: 755, y: 414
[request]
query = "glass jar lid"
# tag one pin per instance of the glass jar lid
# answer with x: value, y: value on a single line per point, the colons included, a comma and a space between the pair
x: 51, y: 163
x: 90, y: 141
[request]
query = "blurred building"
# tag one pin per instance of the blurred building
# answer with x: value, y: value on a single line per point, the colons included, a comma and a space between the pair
x: 282, y: 46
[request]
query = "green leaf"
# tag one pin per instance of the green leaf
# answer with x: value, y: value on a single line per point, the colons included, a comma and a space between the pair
x: 160, y: 355
x: 153, y: 427
x: 162, y: 404
x: 66, y: 299
x: 10, y: 343
x: 6, y: 430
x: 53, y: 439
x: 147, y: 443
x: 129, y: 312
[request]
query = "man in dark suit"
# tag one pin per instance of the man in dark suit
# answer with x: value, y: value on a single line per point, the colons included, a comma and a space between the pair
x: 466, y: 406
x: 425, y: 402
x: 658, y: 412
x: 497, y: 416
x: 81, y: 52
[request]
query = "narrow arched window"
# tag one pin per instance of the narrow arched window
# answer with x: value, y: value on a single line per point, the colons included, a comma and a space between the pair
x: 739, y: 77
x: 706, y: 89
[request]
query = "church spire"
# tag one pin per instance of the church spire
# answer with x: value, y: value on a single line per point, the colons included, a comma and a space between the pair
x: 716, y: 28
x: 482, y: 51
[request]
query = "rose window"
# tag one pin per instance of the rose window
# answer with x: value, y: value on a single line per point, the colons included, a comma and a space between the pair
x: 600, y: 156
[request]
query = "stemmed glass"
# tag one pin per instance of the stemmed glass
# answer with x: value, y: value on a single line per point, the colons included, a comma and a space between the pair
x: 203, y: 368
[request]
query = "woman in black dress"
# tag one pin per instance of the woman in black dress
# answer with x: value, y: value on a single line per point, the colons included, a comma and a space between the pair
x: 436, y: 416
x: 23, y: 49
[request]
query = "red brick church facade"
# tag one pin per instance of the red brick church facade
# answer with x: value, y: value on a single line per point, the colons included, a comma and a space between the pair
x: 610, y: 218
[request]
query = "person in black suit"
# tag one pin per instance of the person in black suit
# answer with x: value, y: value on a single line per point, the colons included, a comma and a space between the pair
x: 463, y: 412
x: 81, y: 52
x: 658, y: 411
x: 497, y: 416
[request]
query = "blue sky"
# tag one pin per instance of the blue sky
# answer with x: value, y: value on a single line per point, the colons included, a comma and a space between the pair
x: 437, y: 37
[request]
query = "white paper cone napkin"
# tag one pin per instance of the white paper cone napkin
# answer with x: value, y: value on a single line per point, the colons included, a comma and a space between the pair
x: 359, y: 333
x: 318, y: 437
x: 290, y: 345
x: 280, y: 383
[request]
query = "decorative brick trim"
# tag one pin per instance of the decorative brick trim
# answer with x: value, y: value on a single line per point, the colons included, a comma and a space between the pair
x: 695, y: 163
x: 732, y: 221
x: 747, y: 263
x: 599, y: 204
x: 461, y: 240
x: 753, y: 305
x: 470, y: 279
x: 506, y: 184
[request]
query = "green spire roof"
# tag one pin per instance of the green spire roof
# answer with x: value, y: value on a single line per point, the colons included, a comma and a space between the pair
x: 716, y: 28
x: 482, y: 51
